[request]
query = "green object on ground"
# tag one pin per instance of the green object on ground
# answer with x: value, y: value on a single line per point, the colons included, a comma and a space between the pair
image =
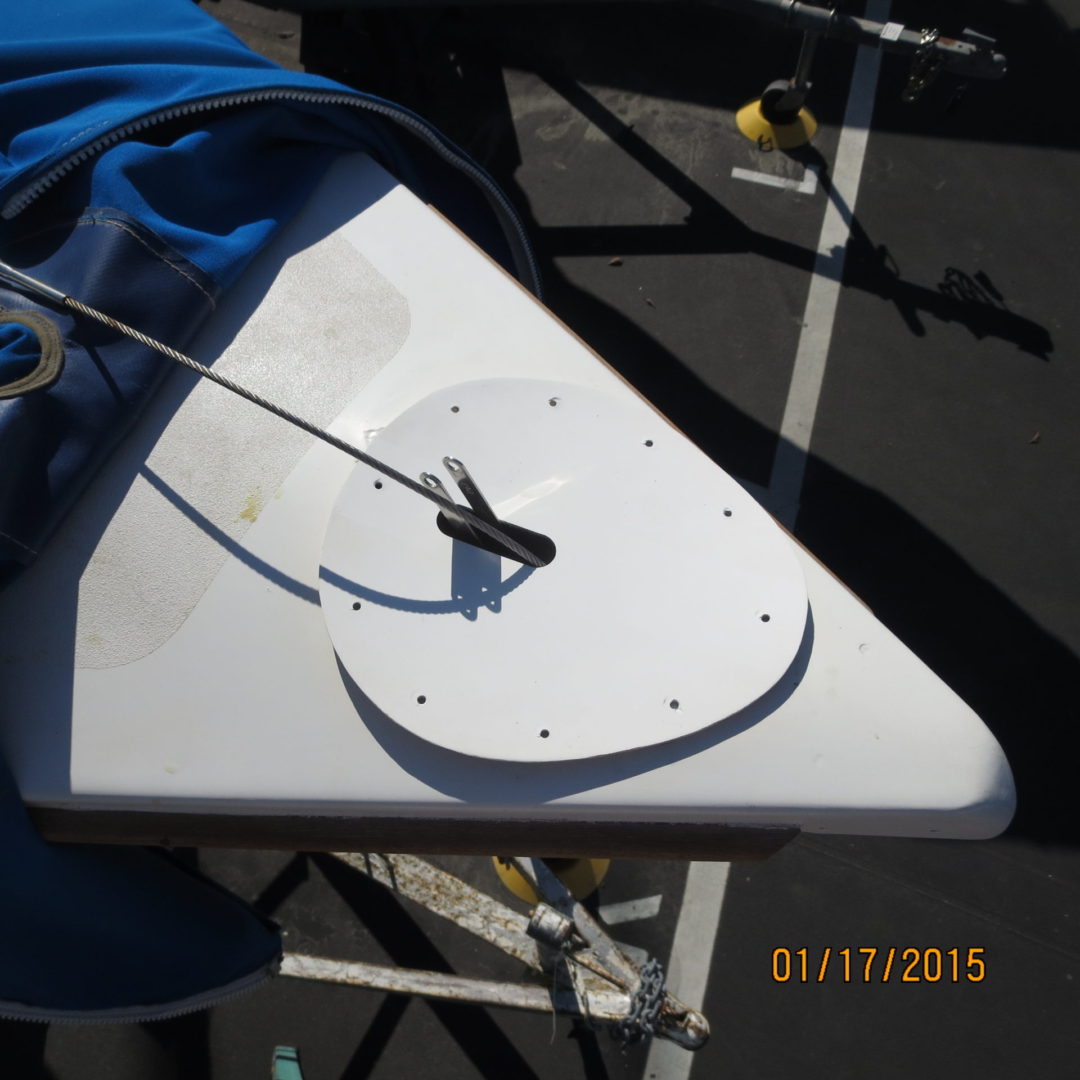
x: 286, y: 1064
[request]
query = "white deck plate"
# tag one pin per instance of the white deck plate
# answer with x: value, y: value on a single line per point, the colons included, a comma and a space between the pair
x: 673, y: 600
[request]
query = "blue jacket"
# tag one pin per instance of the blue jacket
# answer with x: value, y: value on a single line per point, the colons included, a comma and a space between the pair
x: 146, y: 155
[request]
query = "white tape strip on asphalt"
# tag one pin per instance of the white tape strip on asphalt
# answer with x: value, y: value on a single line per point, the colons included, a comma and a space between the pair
x: 691, y: 959
x: 789, y: 466
x: 806, y: 186
x: 630, y: 910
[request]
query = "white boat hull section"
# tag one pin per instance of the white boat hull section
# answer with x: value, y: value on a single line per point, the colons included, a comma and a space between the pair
x: 673, y: 600
x: 126, y: 686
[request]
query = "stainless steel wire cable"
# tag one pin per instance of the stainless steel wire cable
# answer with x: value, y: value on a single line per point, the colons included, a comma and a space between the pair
x: 473, y: 520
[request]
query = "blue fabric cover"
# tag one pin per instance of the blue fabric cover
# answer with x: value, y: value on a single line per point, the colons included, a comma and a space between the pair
x: 77, y: 72
x: 148, y: 221
x: 91, y: 929
x: 150, y: 229
x: 18, y: 352
x: 164, y: 154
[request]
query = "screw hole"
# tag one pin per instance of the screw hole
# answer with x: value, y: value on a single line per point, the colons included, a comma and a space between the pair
x: 727, y: 513
x: 648, y: 442
x: 378, y: 483
x: 544, y: 733
x: 765, y: 618
x: 356, y: 605
x: 455, y: 408
x: 420, y: 699
x: 673, y: 703
x: 553, y: 402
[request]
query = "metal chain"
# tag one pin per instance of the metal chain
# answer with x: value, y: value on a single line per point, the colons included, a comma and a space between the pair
x: 645, y: 1005
x: 925, y: 66
x: 476, y: 522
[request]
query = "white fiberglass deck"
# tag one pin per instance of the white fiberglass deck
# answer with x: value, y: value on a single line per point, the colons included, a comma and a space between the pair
x: 170, y: 650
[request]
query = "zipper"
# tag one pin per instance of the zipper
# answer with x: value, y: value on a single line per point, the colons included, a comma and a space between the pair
x: 520, y: 248
x: 134, y: 1014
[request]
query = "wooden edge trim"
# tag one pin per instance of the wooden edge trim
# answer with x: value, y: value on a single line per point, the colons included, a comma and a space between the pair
x: 443, y: 836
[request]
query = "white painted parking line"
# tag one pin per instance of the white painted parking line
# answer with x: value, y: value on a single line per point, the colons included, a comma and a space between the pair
x: 789, y: 465
x: 691, y: 959
x: 806, y: 186
x: 703, y: 898
x: 630, y: 910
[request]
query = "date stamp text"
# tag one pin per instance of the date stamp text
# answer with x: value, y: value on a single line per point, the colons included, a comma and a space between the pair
x: 871, y: 964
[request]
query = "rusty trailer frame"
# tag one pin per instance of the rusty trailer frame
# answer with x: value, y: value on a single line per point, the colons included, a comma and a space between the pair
x: 586, y: 974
